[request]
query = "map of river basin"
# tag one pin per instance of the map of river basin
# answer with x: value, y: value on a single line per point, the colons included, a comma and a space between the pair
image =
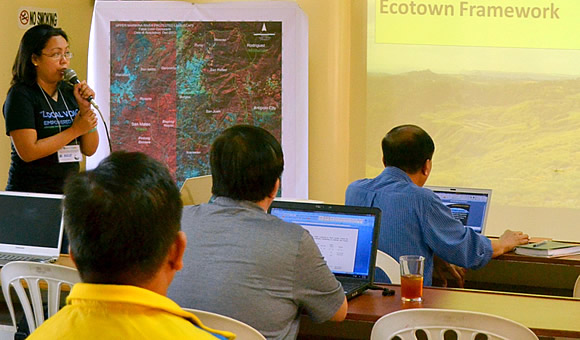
x: 175, y: 86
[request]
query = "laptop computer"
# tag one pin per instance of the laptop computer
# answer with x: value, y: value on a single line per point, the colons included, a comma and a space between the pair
x: 347, y: 237
x: 31, y: 226
x: 469, y: 206
x: 196, y: 190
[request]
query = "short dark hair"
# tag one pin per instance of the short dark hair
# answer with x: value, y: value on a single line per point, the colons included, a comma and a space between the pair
x: 246, y: 161
x: 407, y: 147
x: 121, y: 218
x: 32, y: 43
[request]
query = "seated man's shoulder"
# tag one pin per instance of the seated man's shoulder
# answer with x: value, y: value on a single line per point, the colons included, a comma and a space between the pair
x: 420, y: 195
x: 362, y: 183
x: 80, y: 323
x: 193, y: 209
x: 283, y: 226
x: 429, y: 196
x: 423, y: 192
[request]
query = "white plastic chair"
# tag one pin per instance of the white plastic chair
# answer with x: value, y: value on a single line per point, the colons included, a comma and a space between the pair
x: 576, y: 292
x: 435, y: 324
x: 35, y: 274
x: 221, y: 322
x: 390, y: 266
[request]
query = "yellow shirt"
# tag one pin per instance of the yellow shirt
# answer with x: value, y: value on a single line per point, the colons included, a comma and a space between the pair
x: 97, y: 311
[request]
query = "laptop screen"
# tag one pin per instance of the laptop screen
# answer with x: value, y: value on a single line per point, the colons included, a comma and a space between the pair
x: 467, y: 205
x: 30, y: 222
x: 346, y: 236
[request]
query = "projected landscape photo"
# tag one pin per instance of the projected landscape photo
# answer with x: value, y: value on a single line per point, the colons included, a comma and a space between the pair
x: 501, y: 99
x: 514, y: 132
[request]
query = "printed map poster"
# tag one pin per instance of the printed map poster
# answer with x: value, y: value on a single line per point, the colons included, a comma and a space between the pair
x: 175, y: 86
x: 180, y: 76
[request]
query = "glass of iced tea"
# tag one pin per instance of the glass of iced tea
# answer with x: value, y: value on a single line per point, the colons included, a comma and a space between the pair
x: 412, y: 277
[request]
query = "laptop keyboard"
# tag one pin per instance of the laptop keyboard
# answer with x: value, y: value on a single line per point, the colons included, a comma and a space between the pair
x: 5, y: 258
x: 348, y: 286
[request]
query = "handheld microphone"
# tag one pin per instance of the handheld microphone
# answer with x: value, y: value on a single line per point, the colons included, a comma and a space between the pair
x: 70, y: 76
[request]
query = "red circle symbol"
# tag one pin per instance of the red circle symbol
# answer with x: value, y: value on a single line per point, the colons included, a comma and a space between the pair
x: 24, y: 17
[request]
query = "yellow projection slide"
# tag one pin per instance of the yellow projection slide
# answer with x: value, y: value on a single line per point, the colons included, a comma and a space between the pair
x: 491, y: 23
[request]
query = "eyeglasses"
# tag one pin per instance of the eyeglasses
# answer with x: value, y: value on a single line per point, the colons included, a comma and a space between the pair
x: 59, y: 55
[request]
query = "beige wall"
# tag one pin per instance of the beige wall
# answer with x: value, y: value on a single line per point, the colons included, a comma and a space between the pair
x: 349, y: 129
x: 337, y: 81
x: 337, y: 96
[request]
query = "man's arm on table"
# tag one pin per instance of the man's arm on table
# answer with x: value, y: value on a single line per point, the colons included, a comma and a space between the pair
x: 340, y: 314
x: 449, y: 275
x: 508, y: 241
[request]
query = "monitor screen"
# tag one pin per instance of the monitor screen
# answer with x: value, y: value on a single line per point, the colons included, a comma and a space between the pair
x: 30, y: 219
x: 344, y: 239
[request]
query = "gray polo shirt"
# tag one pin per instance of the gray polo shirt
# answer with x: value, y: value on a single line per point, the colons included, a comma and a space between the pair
x: 254, y: 267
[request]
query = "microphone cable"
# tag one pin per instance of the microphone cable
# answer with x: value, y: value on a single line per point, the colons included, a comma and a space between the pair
x: 106, y: 128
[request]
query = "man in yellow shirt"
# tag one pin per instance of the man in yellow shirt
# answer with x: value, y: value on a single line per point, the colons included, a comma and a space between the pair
x: 123, y: 223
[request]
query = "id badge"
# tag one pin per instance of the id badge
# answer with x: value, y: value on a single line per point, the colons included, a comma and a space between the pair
x: 70, y: 153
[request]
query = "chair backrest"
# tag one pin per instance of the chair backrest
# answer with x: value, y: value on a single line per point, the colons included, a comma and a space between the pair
x: 576, y: 292
x: 36, y: 276
x: 221, y: 322
x: 390, y: 266
x: 196, y: 190
x: 433, y: 324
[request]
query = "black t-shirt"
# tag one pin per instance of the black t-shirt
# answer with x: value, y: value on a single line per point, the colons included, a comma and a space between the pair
x: 26, y: 107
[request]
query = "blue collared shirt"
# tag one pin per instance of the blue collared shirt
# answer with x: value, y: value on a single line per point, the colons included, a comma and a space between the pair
x: 416, y: 222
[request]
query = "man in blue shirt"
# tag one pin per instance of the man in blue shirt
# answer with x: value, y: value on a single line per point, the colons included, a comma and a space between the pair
x: 415, y: 221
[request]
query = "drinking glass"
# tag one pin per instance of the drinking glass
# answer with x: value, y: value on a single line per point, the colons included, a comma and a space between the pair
x: 412, y: 277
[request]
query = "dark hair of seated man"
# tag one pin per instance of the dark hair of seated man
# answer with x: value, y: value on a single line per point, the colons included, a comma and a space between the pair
x: 246, y: 161
x: 407, y: 147
x: 115, y: 242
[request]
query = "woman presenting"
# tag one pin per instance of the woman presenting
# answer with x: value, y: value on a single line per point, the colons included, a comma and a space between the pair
x: 50, y: 123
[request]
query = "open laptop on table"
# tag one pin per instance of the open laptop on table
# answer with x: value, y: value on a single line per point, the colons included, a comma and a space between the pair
x: 31, y: 226
x: 347, y: 237
x: 196, y: 190
x: 469, y: 206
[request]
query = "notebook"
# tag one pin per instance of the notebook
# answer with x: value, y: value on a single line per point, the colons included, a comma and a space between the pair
x: 347, y: 237
x: 469, y: 206
x: 31, y: 226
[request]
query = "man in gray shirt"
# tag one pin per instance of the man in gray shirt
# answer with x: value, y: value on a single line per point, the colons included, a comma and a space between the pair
x: 241, y: 261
